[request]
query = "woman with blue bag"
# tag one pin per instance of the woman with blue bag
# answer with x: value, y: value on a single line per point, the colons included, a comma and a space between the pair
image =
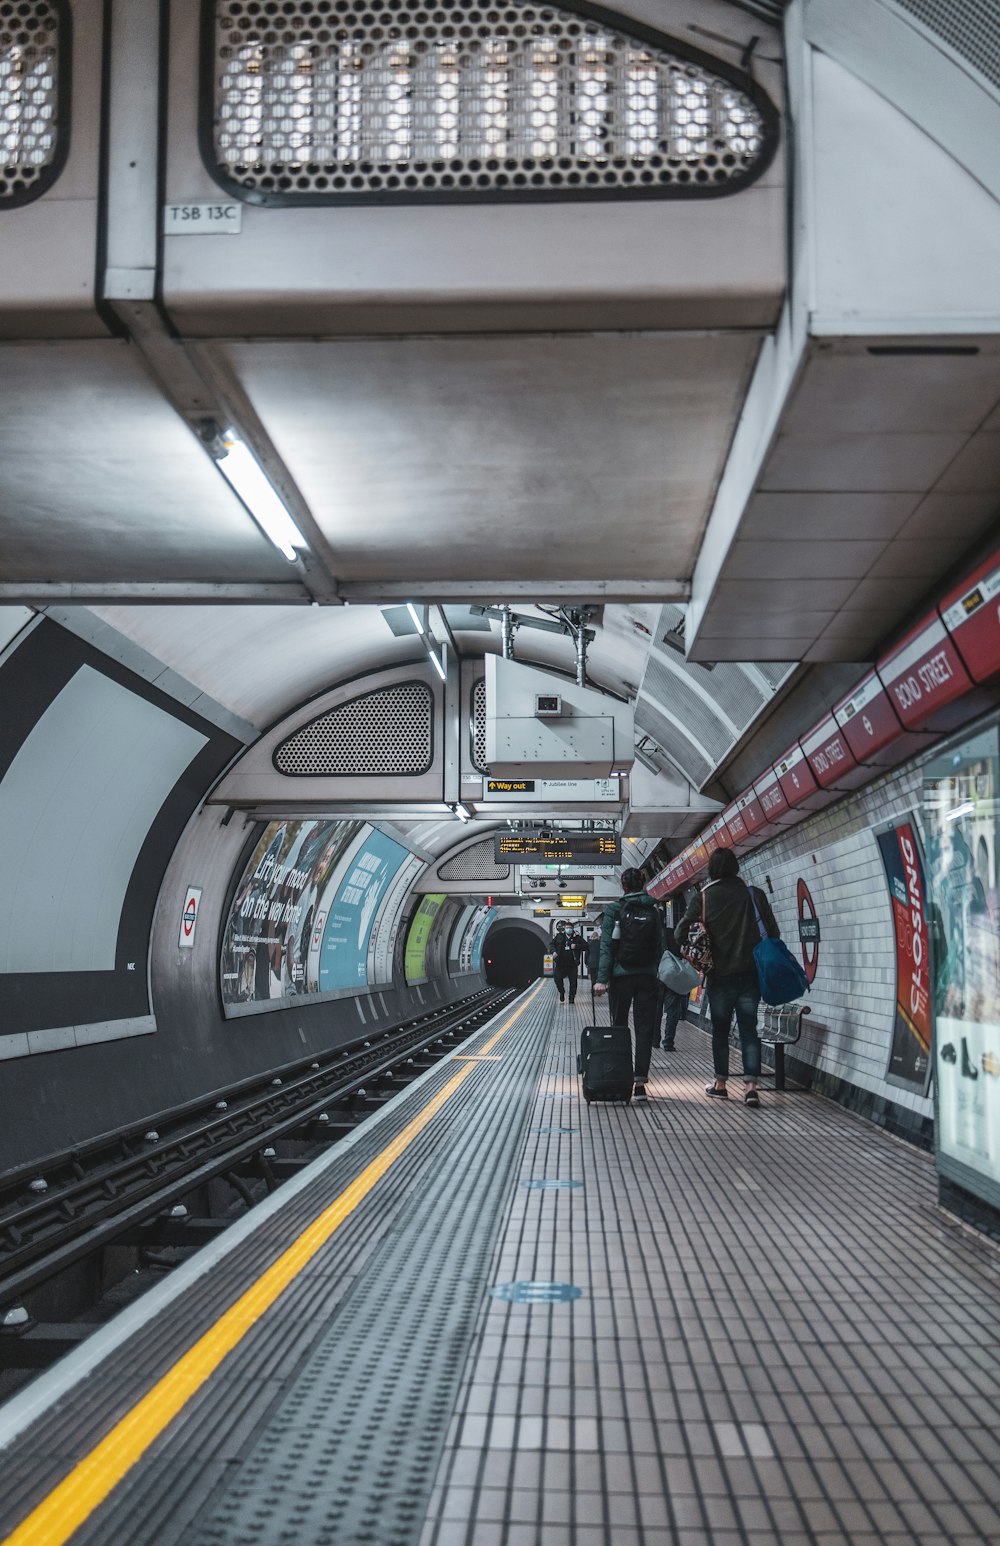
x: 729, y: 911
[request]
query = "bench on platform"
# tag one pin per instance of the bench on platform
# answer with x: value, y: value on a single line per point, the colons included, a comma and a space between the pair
x: 780, y: 1026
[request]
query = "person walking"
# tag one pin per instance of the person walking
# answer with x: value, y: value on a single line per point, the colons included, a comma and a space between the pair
x: 631, y: 947
x: 564, y: 965
x: 726, y: 904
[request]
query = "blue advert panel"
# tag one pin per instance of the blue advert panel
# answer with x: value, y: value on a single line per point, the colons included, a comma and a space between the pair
x: 343, y: 959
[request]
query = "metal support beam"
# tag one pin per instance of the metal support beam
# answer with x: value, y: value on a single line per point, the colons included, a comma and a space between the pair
x: 561, y: 592
x: 44, y: 593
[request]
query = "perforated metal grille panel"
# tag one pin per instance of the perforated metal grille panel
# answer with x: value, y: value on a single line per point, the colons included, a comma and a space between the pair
x: 477, y: 726
x: 695, y: 767
x: 970, y: 27
x: 389, y: 732
x: 29, y: 92
x: 339, y: 99
x: 775, y: 671
x: 475, y: 863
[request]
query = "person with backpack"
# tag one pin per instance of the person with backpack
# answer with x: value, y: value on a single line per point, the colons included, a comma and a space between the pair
x: 729, y: 908
x: 564, y: 965
x: 631, y: 946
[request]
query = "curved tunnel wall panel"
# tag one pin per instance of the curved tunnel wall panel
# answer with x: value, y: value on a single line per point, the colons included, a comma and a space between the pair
x: 99, y: 772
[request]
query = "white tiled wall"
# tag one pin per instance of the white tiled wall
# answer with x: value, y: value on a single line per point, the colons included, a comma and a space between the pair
x: 853, y: 996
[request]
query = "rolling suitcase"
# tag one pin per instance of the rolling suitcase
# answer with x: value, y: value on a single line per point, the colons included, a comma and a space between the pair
x: 605, y: 1062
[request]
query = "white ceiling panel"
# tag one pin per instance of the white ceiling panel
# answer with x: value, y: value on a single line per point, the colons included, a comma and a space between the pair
x: 103, y: 481
x: 828, y: 460
x: 878, y: 481
x: 784, y: 560
x: 817, y: 517
x: 940, y: 514
x: 866, y: 393
x: 976, y: 468
x: 923, y: 560
x: 516, y: 458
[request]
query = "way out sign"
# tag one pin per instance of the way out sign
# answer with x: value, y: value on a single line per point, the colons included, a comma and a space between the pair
x: 189, y: 917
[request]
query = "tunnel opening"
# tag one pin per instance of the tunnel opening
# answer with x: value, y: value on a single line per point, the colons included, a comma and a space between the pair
x: 513, y: 958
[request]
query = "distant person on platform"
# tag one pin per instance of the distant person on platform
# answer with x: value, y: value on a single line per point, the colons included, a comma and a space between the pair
x: 728, y: 910
x: 631, y: 947
x: 564, y: 965
x: 594, y: 954
x: 580, y: 952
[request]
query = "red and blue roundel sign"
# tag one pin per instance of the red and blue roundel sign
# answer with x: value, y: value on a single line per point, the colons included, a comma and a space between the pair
x: 189, y: 917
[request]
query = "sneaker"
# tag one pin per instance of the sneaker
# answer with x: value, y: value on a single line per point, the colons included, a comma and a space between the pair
x: 639, y: 1093
x: 751, y: 1098
x: 716, y: 1094
x: 562, y: 999
x: 668, y: 1046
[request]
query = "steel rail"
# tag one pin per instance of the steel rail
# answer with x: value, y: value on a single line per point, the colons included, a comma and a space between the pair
x: 87, y: 1206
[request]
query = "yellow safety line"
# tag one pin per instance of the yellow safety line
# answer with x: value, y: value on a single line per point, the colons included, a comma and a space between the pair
x: 93, y: 1478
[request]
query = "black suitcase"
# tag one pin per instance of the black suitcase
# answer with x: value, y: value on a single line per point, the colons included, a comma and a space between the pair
x: 605, y: 1062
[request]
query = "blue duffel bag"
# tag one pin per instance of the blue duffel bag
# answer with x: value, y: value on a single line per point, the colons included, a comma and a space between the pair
x: 780, y: 976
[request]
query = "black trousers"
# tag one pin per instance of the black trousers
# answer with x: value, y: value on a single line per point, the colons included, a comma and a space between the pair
x: 641, y: 994
x: 564, y: 974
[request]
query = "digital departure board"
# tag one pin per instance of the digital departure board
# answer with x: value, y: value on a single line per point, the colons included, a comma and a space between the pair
x: 560, y: 848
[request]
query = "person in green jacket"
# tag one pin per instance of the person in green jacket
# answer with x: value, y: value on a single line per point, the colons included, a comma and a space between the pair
x: 632, y: 942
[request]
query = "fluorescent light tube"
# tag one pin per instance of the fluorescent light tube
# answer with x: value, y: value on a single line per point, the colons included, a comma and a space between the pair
x: 418, y: 624
x: 249, y: 482
x: 461, y: 812
x: 436, y: 663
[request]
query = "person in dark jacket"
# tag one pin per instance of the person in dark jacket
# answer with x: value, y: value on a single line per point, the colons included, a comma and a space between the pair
x: 732, y: 983
x: 564, y: 964
x: 630, y: 972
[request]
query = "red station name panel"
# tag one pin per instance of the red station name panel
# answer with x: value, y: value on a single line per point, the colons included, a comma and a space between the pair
x: 868, y: 719
x: 830, y: 757
x: 924, y: 674
x: 972, y: 617
x: 772, y: 800
x: 795, y: 777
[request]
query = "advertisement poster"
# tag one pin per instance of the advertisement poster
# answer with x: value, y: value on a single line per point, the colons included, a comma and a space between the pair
x: 279, y: 909
x: 470, y: 951
x: 909, y: 1052
x: 960, y: 814
x: 343, y: 954
x: 418, y: 937
x: 383, y: 936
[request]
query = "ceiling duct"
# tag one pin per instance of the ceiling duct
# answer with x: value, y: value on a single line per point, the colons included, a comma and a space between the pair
x: 542, y: 726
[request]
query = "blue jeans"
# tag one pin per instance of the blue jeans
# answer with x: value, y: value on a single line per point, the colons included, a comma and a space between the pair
x: 739, y: 991
x: 674, y: 1005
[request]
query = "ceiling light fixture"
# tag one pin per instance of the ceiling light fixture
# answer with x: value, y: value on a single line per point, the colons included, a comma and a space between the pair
x: 459, y: 810
x: 249, y: 482
x: 417, y: 620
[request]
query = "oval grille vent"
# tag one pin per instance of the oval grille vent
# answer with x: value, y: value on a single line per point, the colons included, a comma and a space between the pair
x: 477, y: 726
x: 388, y: 733
x: 475, y: 863
x: 31, y: 135
x: 339, y: 100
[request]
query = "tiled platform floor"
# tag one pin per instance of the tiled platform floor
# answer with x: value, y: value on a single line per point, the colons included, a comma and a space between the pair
x: 779, y: 1337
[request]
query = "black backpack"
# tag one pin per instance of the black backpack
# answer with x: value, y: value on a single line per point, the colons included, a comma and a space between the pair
x: 638, y: 946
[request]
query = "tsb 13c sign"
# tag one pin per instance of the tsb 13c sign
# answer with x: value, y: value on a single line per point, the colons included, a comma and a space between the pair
x: 189, y: 917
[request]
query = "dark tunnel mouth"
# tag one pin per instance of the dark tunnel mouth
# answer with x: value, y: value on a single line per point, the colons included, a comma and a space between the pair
x: 512, y: 957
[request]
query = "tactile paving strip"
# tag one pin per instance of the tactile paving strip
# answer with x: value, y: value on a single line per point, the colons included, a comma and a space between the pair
x: 779, y: 1340
x: 313, y: 1368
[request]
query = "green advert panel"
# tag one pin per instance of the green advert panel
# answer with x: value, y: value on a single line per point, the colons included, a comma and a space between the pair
x: 417, y: 940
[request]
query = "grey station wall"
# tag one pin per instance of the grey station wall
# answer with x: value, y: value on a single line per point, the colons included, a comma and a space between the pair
x: 845, y: 1045
x: 104, y: 1020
